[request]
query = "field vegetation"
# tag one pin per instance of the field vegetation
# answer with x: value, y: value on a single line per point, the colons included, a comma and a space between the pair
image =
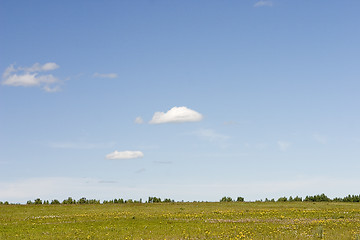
x: 157, y: 219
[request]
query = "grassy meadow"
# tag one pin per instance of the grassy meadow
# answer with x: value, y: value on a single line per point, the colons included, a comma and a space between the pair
x: 215, y: 220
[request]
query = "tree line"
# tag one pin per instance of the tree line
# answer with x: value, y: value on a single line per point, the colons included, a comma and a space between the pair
x: 316, y: 198
x: 83, y: 200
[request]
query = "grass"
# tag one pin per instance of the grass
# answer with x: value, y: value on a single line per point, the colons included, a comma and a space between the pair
x: 288, y: 220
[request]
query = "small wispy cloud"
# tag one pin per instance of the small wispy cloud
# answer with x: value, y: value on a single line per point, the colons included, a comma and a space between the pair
x: 139, y: 120
x: 176, y: 115
x: 37, y: 67
x: 124, y: 155
x: 107, y: 181
x: 320, y: 138
x: 141, y: 170
x: 210, y: 135
x: 32, y: 76
x: 263, y: 3
x: 283, y: 145
x: 51, y: 89
x: 105, y: 75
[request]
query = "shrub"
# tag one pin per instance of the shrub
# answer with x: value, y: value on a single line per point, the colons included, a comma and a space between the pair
x: 282, y: 199
x: 317, y: 198
x: 55, y: 201
x: 297, y: 199
x: 226, y: 199
x: 69, y: 201
x: 338, y: 199
x: 82, y: 201
x: 93, y: 201
x: 352, y: 198
x: 240, y: 199
x: 154, y: 200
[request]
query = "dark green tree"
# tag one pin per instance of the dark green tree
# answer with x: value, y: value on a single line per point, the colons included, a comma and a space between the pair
x: 226, y: 199
x: 241, y: 199
x: 282, y: 199
x: 55, y: 201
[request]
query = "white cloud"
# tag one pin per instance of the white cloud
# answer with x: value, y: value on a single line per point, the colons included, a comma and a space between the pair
x: 49, y: 66
x: 124, y: 155
x: 8, y: 71
x: 31, y: 76
x: 283, y: 145
x: 24, y: 80
x: 48, y: 79
x: 263, y: 3
x: 37, y: 67
x: 51, y: 89
x: 210, y: 135
x: 105, y: 75
x: 176, y: 115
x: 139, y: 120
x: 28, y: 80
x: 320, y: 139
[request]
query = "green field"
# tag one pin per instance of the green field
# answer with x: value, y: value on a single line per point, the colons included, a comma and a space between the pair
x: 234, y: 220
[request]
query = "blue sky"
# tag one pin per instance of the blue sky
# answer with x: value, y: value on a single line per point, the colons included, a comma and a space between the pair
x: 191, y: 100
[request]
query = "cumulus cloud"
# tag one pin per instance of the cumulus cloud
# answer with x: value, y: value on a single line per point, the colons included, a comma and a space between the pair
x: 139, y: 120
x: 283, y: 145
x: 124, y: 155
x: 27, y: 80
x: 105, y: 75
x: 263, y: 3
x: 176, y: 115
x: 32, y: 76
